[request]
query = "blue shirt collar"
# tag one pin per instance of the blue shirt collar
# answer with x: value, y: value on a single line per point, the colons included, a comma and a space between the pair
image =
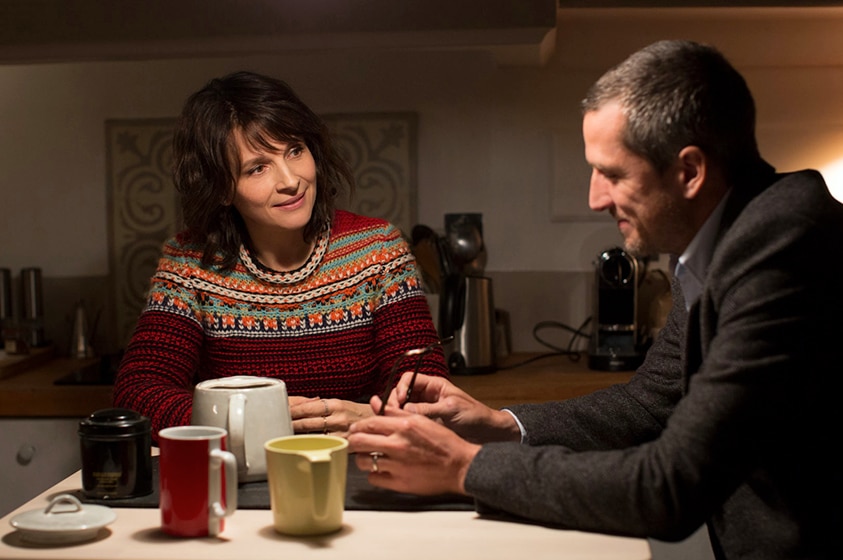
x: 692, y: 265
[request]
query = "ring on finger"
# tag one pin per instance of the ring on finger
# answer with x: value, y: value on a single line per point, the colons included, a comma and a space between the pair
x: 324, y: 424
x: 327, y: 410
x: 375, y: 455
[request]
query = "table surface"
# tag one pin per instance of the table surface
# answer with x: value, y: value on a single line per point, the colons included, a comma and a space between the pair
x: 530, y: 378
x: 367, y: 535
x: 32, y: 393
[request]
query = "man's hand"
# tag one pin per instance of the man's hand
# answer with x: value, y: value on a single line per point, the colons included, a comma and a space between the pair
x: 440, y: 399
x: 414, y: 454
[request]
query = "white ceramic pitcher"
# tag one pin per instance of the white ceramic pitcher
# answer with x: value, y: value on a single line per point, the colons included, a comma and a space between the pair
x: 252, y: 409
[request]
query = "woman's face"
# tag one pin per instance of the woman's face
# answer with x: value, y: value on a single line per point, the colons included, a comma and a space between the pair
x: 276, y: 190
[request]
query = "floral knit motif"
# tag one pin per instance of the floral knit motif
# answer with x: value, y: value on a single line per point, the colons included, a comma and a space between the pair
x: 331, y: 328
x: 346, y: 291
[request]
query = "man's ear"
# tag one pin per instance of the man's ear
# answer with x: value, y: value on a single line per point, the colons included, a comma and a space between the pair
x: 692, y: 170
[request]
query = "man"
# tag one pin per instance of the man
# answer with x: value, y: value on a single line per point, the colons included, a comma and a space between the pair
x: 732, y: 418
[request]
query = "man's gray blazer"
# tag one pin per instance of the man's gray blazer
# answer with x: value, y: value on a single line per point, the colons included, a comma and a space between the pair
x: 734, y: 416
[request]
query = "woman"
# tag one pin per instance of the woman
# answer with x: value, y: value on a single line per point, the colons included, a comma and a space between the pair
x: 268, y: 279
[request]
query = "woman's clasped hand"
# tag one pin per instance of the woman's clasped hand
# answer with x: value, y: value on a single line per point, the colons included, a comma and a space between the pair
x: 325, y: 416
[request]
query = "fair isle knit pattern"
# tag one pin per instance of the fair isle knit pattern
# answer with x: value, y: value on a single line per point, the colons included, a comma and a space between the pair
x: 330, y: 329
x: 281, y: 304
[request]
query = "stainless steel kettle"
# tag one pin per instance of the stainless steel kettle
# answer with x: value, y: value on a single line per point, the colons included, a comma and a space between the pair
x: 467, y: 312
x: 80, y: 339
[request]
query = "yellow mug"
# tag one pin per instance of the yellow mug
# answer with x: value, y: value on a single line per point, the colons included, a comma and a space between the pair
x: 307, y: 477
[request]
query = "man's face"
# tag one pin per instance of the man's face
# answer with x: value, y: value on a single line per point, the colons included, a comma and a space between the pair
x: 648, y: 206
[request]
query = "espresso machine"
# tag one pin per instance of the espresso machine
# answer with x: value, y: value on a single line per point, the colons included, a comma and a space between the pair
x: 615, y: 341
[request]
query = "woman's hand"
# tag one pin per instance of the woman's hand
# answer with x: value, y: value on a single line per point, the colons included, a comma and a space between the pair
x: 410, y: 453
x: 325, y: 416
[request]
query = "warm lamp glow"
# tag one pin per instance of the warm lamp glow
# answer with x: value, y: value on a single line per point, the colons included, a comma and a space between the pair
x: 833, y: 174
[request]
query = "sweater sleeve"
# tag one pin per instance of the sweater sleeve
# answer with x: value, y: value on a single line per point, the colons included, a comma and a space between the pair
x: 582, y: 454
x: 622, y: 415
x: 402, y: 317
x: 157, y: 372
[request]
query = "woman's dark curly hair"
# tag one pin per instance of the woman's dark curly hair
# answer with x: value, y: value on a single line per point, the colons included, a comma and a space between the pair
x: 206, y: 161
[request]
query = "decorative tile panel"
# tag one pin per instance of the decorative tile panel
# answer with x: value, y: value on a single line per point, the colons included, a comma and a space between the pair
x: 381, y: 149
x: 142, y: 210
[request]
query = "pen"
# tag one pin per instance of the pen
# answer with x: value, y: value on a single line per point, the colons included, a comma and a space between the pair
x: 420, y: 352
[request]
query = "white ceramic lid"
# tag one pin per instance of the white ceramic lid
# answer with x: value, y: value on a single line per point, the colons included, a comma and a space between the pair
x: 64, y: 520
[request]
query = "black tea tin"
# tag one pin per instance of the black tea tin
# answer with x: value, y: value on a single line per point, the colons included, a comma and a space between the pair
x: 116, y: 446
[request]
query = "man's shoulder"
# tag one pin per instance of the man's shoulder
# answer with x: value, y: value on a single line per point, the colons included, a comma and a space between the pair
x: 794, y: 216
x: 805, y: 188
x: 792, y: 198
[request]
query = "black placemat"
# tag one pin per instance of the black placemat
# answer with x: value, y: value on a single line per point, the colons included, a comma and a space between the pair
x: 359, y: 495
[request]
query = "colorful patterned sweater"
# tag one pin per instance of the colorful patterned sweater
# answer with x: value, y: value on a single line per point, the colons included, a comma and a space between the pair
x: 332, y: 328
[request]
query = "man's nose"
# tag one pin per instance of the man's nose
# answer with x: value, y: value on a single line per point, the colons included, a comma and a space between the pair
x: 598, y: 193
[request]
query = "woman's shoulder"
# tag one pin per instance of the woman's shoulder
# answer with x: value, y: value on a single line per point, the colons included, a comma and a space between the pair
x: 181, y: 261
x: 353, y: 234
x: 183, y: 253
x: 183, y: 247
x: 349, y: 221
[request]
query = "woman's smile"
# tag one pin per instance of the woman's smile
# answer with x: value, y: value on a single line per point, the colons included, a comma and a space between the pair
x: 291, y: 203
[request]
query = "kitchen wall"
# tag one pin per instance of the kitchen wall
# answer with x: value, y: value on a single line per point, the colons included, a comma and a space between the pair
x: 501, y: 140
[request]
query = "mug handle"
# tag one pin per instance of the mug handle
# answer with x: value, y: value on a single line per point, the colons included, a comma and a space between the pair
x: 226, y: 462
x: 320, y: 477
x: 237, y: 431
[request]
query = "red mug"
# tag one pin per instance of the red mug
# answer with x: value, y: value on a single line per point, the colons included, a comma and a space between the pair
x: 198, y: 480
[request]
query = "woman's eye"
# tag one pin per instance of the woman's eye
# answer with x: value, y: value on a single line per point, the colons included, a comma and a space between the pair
x: 295, y: 151
x: 257, y: 169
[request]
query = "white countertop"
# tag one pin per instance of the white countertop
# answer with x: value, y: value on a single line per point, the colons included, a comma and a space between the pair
x: 367, y: 535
